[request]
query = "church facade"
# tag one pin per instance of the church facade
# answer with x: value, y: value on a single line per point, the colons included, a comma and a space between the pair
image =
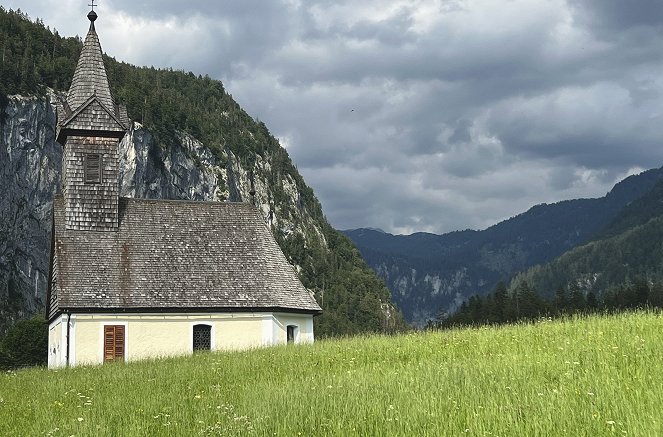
x: 136, y: 278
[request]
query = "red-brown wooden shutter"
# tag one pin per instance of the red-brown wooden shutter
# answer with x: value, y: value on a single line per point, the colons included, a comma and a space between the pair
x: 114, y: 343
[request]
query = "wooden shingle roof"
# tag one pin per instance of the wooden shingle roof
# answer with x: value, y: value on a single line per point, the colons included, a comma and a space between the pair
x: 90, y: 77
x: 177, y: 256
x: 89, y: 107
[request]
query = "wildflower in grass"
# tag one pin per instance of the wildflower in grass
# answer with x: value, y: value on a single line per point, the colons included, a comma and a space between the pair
x: 80, y: 419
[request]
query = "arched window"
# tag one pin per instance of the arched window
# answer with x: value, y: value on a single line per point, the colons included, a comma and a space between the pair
x: 202, y: 338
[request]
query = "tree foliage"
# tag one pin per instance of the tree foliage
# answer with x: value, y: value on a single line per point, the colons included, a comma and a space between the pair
x: 25, y: 344
x: 523, y: 303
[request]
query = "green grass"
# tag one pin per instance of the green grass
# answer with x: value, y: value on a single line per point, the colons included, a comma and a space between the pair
x: 590, y: 376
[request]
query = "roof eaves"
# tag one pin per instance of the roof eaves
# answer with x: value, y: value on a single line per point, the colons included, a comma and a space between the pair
x: 63, y: 131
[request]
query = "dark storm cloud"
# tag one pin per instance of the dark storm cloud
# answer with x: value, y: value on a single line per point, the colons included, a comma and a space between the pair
x: 611, y: 16
x: 413, y: 115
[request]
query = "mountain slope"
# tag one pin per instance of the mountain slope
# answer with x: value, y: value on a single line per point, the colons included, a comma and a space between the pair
x: 599, y: 265
x: 636, y: 213
x: 194, y: 142
x: 628, y: 249
x: 427, y: 272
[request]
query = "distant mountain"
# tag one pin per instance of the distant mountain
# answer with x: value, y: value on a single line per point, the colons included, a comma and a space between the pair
x: 636, y: 213
x: 426, y: 272
x: 629, y: 249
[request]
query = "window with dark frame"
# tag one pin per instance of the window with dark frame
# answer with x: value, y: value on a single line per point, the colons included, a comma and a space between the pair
x: 92, y: 168
x: 202, y: 338
x: 291, y: 332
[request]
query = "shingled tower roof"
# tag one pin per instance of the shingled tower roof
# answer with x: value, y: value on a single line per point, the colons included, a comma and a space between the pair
x: 90, y: 77
x: 89, y: 108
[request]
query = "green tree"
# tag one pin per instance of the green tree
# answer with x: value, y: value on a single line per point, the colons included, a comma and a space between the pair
x: 26, y: 344
x: 501, y: 297
x: 578, y: 299
x: 561, y: 302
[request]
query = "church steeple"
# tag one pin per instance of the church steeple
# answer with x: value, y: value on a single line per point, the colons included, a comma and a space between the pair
x: 90, y: 82
x: 90, y: 126
x: 90, y: 77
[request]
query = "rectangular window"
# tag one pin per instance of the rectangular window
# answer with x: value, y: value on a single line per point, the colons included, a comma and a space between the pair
x: 114, y: 343
x: 92, y: 168
x: 291, y: 333
x: 202, y: 338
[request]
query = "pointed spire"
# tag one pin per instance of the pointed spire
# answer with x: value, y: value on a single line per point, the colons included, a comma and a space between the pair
x: 90, y: 77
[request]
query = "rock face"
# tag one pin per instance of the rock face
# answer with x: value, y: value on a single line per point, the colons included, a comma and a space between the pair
x: 149, y: 171
x: 30, y: 167
x: 30, y: 164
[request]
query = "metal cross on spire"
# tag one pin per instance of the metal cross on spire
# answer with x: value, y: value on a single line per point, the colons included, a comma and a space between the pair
x: 92, y: 16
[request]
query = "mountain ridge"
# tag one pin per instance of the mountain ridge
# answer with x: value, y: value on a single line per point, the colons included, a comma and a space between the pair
x: 626, y: 251
x: 426, y: 272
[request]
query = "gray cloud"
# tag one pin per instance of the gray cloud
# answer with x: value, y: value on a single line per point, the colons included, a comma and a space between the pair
x: 607, y: 17
x: 420, y: 115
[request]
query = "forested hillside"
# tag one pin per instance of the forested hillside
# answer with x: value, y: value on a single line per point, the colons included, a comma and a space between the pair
x: 178, y: 112
x: 621, y: 268
x: 596, y: 267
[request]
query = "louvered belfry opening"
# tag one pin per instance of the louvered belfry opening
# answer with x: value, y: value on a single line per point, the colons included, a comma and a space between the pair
x: 202, y: 338
x: 92, y: 168
x: 114, y: 343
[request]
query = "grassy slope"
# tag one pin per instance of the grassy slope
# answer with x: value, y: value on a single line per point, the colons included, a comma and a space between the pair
x: 594, y: 376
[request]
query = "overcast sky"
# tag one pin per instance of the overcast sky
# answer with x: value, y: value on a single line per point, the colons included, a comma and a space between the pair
x: 419, y: 115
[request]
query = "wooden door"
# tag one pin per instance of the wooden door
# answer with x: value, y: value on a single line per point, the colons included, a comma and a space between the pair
x: 114, y: 343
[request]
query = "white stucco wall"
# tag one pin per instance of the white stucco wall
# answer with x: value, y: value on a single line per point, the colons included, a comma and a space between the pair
x: 303, y: 322
x: 161, y: 335
x: 57, y: 342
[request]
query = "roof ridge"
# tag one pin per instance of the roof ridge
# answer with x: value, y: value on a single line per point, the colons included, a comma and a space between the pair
x: 201, y: 202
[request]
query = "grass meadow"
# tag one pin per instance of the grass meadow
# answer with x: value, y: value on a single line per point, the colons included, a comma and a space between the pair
x: 583, y: 376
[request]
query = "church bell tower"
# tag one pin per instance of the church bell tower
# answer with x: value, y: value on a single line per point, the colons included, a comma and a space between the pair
x: 90, y: 126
